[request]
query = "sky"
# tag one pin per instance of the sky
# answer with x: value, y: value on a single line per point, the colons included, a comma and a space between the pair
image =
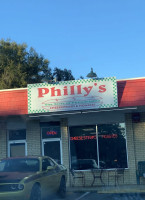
x: 106, y: 35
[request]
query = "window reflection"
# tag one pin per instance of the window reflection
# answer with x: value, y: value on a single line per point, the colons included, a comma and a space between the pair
x: 112, y: 145
x: 83, y: 145
x: 107, y: 149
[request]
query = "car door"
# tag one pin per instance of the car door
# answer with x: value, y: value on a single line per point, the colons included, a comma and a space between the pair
x: 48, y: 177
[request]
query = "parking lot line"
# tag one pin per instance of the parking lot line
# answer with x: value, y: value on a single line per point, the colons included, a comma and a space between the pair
x: 82, y: 196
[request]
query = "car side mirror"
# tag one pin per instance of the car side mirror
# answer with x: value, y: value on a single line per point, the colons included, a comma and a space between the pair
x: 49, y: 167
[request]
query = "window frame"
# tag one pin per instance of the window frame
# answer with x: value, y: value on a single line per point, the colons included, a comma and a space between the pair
x: 16, y: 142
x: 98, y: 146
x: 9, y: 142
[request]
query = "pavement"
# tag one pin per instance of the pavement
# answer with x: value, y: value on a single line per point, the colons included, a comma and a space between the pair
x: 124, y: 189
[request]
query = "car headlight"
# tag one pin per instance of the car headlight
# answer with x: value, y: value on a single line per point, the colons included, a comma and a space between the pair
x: 16, y: 187
x: 20, y: 186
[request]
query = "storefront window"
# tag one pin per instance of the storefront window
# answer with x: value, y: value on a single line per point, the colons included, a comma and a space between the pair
x: 83, y: 145
x: 101, y: 146
x: 17, y: 145
x: 112, y: 145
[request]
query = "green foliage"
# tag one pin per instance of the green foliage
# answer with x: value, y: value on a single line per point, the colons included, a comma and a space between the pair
x: 20, y: 66
x: 62, y: 75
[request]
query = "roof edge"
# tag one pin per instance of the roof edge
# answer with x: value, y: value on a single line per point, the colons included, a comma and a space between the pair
x: 116, y: 80
x: 5, y: 90
x: 130, y: 79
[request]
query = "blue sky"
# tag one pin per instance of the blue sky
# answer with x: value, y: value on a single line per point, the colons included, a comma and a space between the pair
x: 107, y: 35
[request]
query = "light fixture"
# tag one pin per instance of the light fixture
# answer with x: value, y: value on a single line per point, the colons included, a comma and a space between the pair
x: 92, y: 74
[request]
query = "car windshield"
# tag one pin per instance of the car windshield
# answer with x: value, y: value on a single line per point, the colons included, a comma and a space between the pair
x: 19, y: 165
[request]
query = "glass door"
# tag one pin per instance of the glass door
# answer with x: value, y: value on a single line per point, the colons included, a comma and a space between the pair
x: 52, y: 148
x: 51, y: 142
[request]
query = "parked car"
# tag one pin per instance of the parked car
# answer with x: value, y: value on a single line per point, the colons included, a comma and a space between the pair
x: 84, y: 164
x: 31, y: 178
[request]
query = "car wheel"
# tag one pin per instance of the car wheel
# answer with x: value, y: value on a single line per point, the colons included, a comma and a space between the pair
x: 62, y: 188
x: 36, y: 193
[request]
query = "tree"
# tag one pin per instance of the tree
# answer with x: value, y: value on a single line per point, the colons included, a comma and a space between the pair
x: 20, y: 66
x: 62, y: 75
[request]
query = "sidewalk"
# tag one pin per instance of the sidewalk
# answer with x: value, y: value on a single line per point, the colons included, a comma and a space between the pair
x: 110, y: 189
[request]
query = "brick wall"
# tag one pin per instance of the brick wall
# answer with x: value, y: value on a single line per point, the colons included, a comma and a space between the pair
x: 130, y: 173
x: 65, y: 145
x: 3, y: 140
x: 139, y: 136
x: 33, y: 138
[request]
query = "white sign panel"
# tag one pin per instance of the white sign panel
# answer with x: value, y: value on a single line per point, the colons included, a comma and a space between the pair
x: 72, y: 95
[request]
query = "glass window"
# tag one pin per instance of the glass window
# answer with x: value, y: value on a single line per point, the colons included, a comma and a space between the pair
x: 17, y: 143
x: 51, y: 132
x: 107, y: 149
x: 19, y: 165
x: 83, y: 145
x: 52, y: 149
x: 17, y: 134
x: 45, y: 163
x: 17, y: 149
x: 112, y: 145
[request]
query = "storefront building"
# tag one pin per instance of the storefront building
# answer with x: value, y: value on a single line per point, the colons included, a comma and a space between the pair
x: 83, y: 124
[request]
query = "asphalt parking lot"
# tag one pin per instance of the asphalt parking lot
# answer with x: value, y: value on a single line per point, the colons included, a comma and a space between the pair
x: 95, y: 196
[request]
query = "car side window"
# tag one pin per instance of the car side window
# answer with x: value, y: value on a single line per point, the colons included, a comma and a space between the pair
x: 46, y: 163
x: 51, y: 162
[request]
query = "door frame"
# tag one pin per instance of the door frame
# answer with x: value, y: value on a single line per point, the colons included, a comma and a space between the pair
x: 52, y: 140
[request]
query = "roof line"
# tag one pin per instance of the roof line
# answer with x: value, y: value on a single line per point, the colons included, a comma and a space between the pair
x: 13, y: 89
x: 130, y: 79
x: 116, y: 80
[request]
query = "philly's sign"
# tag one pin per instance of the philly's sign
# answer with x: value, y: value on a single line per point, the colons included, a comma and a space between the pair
x: 72, y: 95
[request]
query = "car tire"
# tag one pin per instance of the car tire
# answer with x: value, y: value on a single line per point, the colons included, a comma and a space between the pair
x: 62, y: 188
x: 36, y: 193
